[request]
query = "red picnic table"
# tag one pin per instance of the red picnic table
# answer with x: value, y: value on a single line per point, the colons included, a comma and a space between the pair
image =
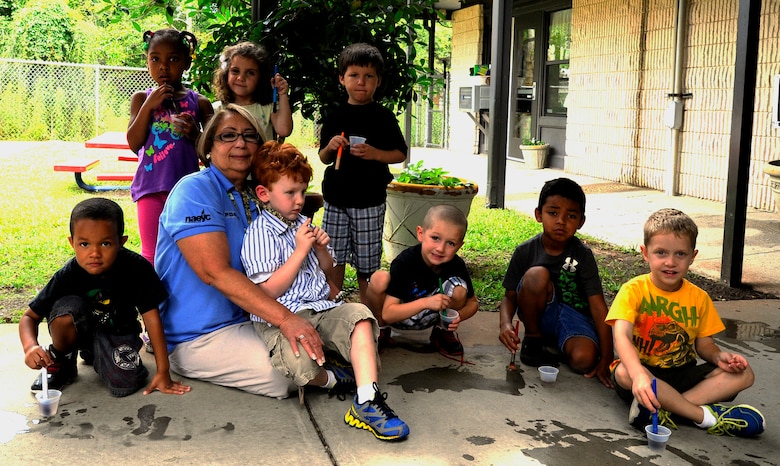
x: 108, y: 140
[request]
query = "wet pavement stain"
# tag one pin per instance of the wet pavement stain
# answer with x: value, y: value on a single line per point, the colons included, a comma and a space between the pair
x: 563, y: 444
x: 157, y: 426
x: 453, y: 378
x: 84, y: 433
x: 740, y: 331
x: 480, y: 440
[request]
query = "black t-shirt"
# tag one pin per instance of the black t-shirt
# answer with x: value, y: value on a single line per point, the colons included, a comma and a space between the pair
x: 360, y: 183
x: 411, y: 278
x: 130, y: 287
x: 574, y: 272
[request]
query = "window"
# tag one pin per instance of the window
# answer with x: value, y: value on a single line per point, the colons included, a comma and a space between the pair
x: 557, y: 63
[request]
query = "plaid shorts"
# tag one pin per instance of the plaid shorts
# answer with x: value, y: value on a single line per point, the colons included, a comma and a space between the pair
x: 356, y: 235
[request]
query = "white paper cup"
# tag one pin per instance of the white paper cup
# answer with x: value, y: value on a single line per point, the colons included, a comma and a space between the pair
x: 448, y: 316
x: 657, y: 442
x: 356, y: 140
x: 548, y: 374
x: 48, y: 406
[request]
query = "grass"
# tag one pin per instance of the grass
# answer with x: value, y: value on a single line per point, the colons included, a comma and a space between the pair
x: 36, y: 206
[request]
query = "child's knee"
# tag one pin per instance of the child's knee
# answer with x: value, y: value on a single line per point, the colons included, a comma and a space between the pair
x: 582, y: 354
x: 536, y: 280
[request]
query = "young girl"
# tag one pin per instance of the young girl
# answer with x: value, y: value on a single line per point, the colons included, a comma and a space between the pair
x: 243, y: 67
x: 165, y: 123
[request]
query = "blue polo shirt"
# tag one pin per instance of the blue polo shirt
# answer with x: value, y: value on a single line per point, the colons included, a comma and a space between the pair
x: 199, y: 203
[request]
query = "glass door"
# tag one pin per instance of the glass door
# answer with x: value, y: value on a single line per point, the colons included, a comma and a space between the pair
x: 524, y: 102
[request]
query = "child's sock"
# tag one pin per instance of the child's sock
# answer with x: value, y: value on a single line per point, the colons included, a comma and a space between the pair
x: 709, y: 419
x: 365, y: 393
x: 331, y: 380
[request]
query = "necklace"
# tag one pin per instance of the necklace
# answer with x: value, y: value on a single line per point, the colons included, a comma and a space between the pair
x: 275, y: 213
x: 245, y: 197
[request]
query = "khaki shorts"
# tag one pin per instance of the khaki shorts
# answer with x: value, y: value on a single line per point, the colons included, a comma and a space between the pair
x: 335, y: 327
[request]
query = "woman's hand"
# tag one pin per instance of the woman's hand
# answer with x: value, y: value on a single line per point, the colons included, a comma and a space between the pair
x: 299, y: 330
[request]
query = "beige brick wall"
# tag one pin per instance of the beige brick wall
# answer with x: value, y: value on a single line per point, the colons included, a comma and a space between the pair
x: 621, y: 73
x: 467, y: 43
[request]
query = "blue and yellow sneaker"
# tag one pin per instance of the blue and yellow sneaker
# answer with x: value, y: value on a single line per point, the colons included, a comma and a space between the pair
x: 376, y: 417
x: 345, y: 381
x: 639, y: 416
x: 737, y: 420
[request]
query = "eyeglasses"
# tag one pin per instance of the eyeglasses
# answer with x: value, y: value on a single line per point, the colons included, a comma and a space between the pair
x: 231, y: 136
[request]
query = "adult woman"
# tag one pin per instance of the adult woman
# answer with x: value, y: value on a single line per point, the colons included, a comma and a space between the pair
x: 198, y: 259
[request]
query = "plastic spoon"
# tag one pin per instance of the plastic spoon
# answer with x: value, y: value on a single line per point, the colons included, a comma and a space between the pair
x: 276, y: 91
x: 655, y: 413
x: 45, y: 383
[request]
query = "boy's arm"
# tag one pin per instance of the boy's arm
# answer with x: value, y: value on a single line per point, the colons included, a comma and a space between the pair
x: 35, y: 356
x: 598, y: 311
x: 395, y: 311
x: 162, y: 379
x: 641, y: 383
x: 710, y: 352
x: 506, y: 331
x: 368, y: 152
x: 282, y: 278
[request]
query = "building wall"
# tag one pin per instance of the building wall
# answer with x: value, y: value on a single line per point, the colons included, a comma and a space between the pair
x: 467, y: 45
x: 621, y: 72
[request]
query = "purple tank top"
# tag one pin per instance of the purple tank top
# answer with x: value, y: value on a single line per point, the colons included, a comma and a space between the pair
x: 167, y: 155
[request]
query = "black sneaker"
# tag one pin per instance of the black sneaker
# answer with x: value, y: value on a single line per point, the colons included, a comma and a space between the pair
x: 446, y: 342
x: 385, y: 339
x: 532, y: 353
x: 60, y: 373
x: 345, y: 381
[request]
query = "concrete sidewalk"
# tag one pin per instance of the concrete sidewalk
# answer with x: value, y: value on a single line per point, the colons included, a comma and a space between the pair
x: 469, y: 414
x: 616, y: 213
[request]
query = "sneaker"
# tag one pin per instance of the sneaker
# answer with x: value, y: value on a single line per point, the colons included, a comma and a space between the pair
x: 737, y: 420
x: 639, y: 416
x: 60, y: 373
x: 345, y: 381
x: 385, y: 339
x: 446, y: 342
x: 147, y: 342
x: 532, y: 353
x: 376, y: 417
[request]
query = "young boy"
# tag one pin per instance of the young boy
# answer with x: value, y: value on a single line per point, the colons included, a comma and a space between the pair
x: 426, y: 279
x: 92, y: 304
x: 289, y: 259
x: 662, y: 323
x: 354, y: 183
x: 552, y: 284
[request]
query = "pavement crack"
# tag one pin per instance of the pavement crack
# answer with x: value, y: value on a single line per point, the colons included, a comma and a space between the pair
x: 317, y: 429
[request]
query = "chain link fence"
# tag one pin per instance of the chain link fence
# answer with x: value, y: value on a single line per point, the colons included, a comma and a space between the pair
x: 42, y: 101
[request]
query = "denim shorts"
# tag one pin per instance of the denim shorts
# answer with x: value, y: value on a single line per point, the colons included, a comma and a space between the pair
x: 563, y: 322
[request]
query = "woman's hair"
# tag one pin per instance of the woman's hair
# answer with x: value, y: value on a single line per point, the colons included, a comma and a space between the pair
x: 206, y: 141
x: 263, y: 93
x: 185, y: 41
x: 98, y: 208
x: 275, y: 160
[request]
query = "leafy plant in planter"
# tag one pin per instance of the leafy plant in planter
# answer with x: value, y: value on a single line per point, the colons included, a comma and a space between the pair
x: 418, y: 174
x: 534, y: 152
x: 533, y: 142
x: 409, y: 196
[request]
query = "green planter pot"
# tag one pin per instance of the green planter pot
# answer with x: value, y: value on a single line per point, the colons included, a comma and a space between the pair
x: 407, y: 205
x: 535, y: 157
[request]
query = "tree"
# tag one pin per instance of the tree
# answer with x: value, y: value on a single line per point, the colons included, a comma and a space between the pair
x: 304, y: 38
